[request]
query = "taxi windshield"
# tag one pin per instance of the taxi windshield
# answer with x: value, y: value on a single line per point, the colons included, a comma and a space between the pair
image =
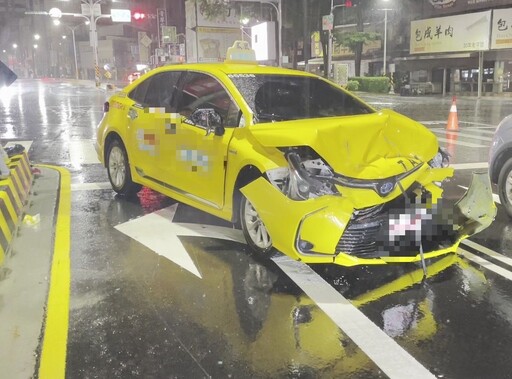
x: 287, y: 97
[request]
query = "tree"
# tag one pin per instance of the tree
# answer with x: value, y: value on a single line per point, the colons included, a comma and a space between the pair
x: 355, y: 41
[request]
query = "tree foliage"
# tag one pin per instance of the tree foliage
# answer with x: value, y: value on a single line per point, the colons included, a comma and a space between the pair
x: 353, y: 39
x: 213, y: 9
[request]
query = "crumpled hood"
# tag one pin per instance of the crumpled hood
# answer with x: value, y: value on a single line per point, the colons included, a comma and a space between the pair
x: 372, y: 146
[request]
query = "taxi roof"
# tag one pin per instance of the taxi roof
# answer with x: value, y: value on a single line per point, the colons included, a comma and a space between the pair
x: 233, y: 68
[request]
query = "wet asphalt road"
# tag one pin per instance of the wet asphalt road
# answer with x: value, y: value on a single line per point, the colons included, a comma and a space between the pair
x: 136, y: 314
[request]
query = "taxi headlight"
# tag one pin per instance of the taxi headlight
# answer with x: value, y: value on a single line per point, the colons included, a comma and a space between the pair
x: 440, y: 160
x: 304, y: 178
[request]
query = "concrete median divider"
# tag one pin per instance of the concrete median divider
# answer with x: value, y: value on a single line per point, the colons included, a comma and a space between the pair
x: 14, y: 192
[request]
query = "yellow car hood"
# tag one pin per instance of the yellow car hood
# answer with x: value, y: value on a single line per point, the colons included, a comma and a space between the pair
x: 371, y: 146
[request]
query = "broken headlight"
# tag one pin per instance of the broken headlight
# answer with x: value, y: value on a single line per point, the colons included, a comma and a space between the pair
x: 440, y: 160
x: 305, y: 177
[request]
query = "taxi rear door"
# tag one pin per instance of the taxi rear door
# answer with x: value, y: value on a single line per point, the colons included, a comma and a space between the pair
x: 148, y: 120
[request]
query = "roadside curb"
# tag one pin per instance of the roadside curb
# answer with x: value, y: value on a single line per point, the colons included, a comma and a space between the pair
x: 14, y: 193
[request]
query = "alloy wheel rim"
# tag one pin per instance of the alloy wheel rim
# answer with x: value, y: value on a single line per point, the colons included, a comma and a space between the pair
x: 117, y: 167
x: 255, y: 227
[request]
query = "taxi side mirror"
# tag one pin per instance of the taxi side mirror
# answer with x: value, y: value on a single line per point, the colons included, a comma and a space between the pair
x: 210, y: 119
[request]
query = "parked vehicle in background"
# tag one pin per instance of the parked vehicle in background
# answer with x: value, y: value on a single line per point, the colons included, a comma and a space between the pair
x: 133, y: 76
x: 500, y: 162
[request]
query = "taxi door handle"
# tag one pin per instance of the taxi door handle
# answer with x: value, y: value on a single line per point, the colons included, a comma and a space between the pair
x: 133, y: 114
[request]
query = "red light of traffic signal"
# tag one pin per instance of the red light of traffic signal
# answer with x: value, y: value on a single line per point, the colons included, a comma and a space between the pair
x: 348, y: 3
x: 139, y: 16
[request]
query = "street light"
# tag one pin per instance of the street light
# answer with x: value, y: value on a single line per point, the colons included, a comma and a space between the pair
x: 385, y: 37
x: 278, y: 9
x: 243, y: 23
x: 91, y: 19
x: 72, y: 29
x: 279, y: 30
x: 330, y: 37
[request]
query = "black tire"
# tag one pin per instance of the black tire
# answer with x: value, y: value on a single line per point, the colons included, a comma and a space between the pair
x: 505, y: 186
x: 254, y: 230
x: 118, y: 169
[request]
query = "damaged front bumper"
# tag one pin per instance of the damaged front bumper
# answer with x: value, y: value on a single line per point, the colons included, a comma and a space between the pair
x: 317, y: 230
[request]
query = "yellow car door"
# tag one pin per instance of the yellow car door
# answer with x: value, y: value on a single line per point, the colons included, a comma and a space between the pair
x: 148, y: 120
x: 200, y: 151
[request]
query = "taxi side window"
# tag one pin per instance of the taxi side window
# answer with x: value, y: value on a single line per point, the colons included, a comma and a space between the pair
x: 161, y: 90
x: 204, y: 91
x: 157, y: 91
x: 139, y: 93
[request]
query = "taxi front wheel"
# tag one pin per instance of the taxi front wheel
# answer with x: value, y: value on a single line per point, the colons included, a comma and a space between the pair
x: 254, y: 230
x: 119, y: 170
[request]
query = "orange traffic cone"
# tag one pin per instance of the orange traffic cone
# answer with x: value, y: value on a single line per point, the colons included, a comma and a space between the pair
x: 451, y: 141
x: 453, y: 121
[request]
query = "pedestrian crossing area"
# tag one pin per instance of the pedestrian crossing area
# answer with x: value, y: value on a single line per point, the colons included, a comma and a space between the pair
x: 469, y: 135
x: 81, y: 152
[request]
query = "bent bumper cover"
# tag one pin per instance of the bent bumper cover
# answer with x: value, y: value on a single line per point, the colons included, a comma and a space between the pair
x: 309, y: 230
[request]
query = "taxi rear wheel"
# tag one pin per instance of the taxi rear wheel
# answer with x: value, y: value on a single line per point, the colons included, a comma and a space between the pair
x: 118, y: 169
x: 254, y: 230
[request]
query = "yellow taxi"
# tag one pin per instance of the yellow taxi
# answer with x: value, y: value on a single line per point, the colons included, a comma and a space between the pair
x: 302, y: 165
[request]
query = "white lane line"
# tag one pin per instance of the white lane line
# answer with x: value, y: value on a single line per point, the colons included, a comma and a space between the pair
x: 26, y: 144
x: 443, y: 122
x: 90, y: 186
x: 460, y: 143
x: 384, y: 351
x: 486, y: 264
x: 469, y: 166
x: 489, y: 252
x: 433, y: 122
x: 483, y: 129
x: 82, y: 152
x: 495, y: 197
x: 463, y: 134
x: 473, y: 128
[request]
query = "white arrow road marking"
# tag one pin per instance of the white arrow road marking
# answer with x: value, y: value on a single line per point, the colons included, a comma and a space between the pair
x: 158, y: 232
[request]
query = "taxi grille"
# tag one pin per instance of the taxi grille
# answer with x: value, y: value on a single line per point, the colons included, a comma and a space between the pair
x: 367, y: 233
x: 361, y: 235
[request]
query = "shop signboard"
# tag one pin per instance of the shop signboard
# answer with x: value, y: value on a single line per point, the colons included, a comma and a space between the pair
x: 446, y: 7
x: 501, y: 35
x: 467, y: 32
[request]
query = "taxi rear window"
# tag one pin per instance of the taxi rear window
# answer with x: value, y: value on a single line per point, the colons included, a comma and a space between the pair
x: 288, y: 97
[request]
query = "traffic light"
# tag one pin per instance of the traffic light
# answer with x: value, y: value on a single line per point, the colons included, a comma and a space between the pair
x: 344, y: 3
x: 138, y: 16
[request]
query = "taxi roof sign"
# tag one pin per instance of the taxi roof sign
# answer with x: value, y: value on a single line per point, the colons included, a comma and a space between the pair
x: 240, y: 52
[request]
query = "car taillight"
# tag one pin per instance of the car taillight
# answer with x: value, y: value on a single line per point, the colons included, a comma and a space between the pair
x: 106, y: 107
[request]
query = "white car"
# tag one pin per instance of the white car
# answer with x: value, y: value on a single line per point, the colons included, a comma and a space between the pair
x: 500, y: 162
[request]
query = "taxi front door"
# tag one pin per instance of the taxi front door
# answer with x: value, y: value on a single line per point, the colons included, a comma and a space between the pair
x: 200, y: 156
